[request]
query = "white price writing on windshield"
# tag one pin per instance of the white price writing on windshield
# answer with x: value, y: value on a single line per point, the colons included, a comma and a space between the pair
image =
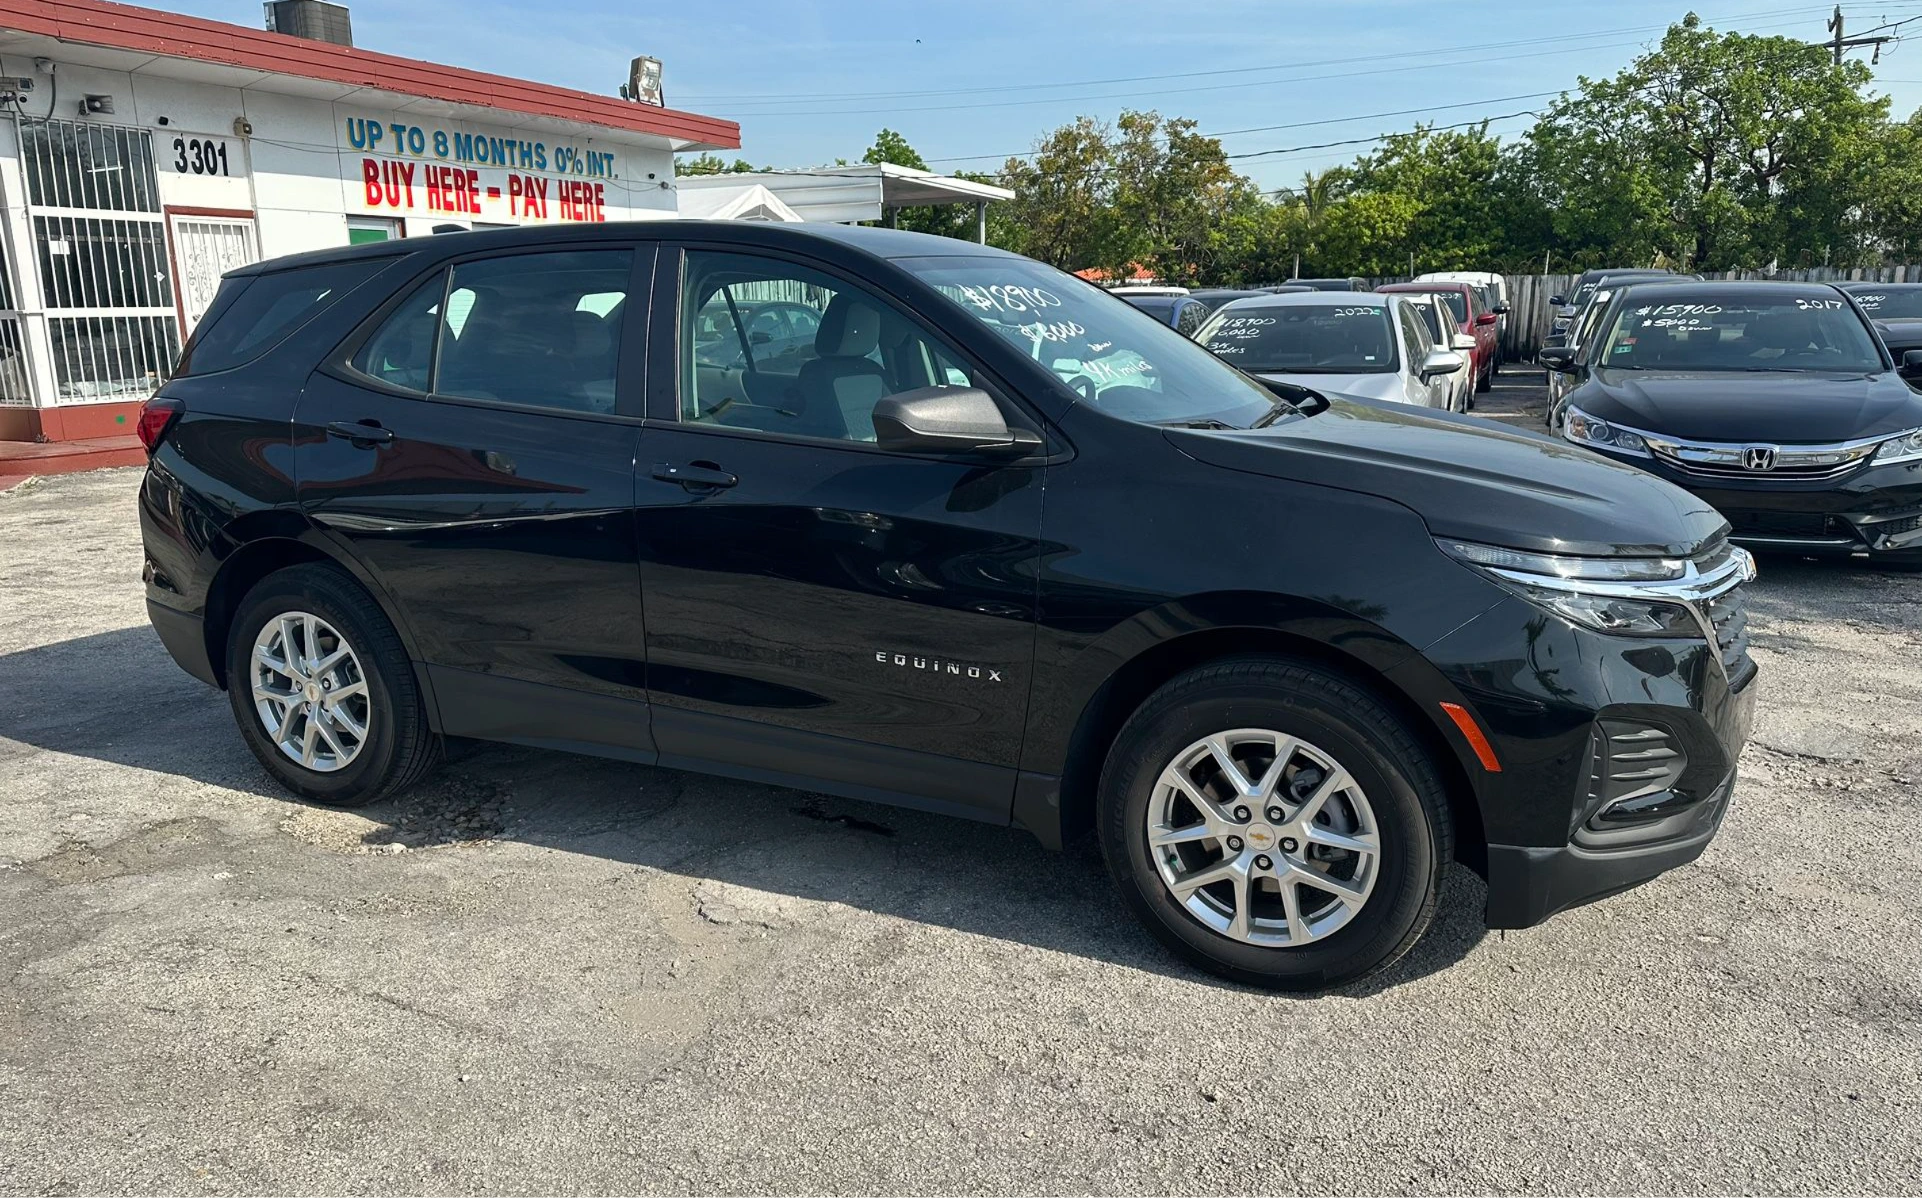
x: 1871, y: 301
x: 1058, y: 331
x: 1680, y: 310
x: 1010, y: 298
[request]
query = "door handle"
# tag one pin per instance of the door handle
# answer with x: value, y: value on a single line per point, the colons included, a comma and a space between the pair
x: 361, y: 433
x: 698, y: 477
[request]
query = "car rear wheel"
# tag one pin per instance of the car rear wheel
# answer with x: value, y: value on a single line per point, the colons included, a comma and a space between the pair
x: 1486, y: 379
x: 1275, y: 824
x: 323, y: 691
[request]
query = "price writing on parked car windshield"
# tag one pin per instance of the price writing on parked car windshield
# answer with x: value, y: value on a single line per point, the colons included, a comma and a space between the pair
x: 1061, y: 330
x: 1680, y: 310
x: 1010, y: 298
x: 1817, y: 305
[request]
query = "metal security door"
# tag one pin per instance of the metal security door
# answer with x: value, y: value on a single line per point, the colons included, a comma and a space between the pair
x: 93, y: 202
x: 206, y: 247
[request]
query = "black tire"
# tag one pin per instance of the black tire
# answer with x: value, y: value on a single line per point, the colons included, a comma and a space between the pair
x: 1367, y: 740
x: 1487, y: 379
x: 399, y: 748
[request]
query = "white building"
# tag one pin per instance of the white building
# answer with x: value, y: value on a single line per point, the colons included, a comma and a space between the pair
x: 148, y: 152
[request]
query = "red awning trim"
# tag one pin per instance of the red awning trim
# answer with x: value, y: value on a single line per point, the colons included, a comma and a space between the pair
x: 150, y: 31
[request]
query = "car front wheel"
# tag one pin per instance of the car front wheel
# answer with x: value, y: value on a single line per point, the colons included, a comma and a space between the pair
x: 1275, y: 824
x: 323, y: 691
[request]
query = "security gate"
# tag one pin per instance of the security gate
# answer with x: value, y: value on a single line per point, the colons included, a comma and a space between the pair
x: 206, y: 247
x: 93, y: 201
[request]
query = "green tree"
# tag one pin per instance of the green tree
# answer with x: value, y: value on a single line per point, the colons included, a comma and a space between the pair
x: 890, y: 146
x: 712, y: 164
x: 1722, y: 150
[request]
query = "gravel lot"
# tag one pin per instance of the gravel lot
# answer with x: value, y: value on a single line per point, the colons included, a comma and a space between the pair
x: 555, y: 974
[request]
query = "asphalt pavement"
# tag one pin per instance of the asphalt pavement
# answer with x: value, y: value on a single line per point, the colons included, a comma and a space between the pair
x: 546, y: 973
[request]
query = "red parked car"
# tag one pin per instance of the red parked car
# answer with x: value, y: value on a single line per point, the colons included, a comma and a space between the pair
x: 1471, y: 315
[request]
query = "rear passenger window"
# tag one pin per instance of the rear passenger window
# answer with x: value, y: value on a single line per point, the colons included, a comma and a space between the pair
x: 542, y: 330
x: 536, y: 329
x: 254, y: 313
x: 401, y: 351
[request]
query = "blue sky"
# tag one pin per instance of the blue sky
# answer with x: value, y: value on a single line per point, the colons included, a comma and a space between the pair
x: 812, y: 80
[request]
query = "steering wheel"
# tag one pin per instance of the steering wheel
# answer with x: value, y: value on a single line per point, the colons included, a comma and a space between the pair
x: 1083, y: 385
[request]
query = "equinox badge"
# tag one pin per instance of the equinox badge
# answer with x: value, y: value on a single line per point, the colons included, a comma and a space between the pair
x: 935, y: 665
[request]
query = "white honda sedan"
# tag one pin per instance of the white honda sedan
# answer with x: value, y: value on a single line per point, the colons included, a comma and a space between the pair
x: 1352, y: 343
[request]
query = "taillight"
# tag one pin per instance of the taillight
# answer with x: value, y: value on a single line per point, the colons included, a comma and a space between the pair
x: 156, y: 417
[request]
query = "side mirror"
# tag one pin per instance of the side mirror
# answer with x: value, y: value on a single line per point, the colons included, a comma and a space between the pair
x: 948, y: 420
x: 1555, y: 340
x: 1464, y: 342
x: 1557, y: 301
x: 1485, y: 319
x: 759, y: 337
x: 1911, y: 367
x: 1441, y: 361
x: 1558, y: 358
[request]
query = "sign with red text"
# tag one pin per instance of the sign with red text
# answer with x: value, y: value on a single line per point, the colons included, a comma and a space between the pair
x: 401, y: 168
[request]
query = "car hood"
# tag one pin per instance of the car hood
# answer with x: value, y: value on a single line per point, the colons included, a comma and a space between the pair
x: 1903, y: 334
x: 1783, y: 407
x: 1471, y: 478
x: 1386, y: 385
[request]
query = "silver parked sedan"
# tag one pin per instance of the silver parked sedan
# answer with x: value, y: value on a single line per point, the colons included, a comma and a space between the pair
x: 1351, y: 343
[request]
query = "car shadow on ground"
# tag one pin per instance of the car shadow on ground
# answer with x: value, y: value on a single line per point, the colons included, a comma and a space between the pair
x: 117, y: 697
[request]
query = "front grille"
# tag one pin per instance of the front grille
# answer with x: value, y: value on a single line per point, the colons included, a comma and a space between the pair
x: 1728, y: 614
x: 1782, y: 524
x: 1894, y: 528
x: 1784, y: 470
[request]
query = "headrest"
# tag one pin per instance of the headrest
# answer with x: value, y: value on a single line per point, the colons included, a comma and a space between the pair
x: 850, y: 328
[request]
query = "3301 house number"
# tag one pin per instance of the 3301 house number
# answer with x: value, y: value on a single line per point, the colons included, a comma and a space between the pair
x: 200, y: 156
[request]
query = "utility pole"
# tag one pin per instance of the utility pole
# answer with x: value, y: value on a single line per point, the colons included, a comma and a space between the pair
x: 1848, y: 43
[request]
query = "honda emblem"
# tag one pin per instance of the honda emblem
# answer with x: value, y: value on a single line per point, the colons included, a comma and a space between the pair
x: 1759, y: 457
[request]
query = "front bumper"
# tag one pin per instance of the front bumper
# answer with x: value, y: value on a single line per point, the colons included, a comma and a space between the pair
x: 1875, y: 509
x: 1529, y: 883
x: 1617, y: 754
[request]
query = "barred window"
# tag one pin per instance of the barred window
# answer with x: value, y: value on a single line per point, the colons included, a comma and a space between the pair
x: 93, y: 263
x: 71, y: 164
x: 111, y: 357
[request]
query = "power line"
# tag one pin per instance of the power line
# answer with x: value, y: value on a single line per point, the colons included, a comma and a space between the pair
x: 756, y: 98
x: 1338, y: 120
x: 1396, y: 68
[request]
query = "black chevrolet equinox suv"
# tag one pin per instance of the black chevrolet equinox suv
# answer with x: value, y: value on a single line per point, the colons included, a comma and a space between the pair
x: 915, y: 521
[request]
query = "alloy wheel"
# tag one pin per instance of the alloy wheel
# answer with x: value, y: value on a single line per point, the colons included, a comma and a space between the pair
x: 310, y: 692
x: 1263, y: 837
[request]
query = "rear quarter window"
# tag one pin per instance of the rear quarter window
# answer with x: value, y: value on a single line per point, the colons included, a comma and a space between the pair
x: 253, y: 313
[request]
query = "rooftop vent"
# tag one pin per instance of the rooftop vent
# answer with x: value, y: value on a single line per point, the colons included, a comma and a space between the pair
x: 313, y: 19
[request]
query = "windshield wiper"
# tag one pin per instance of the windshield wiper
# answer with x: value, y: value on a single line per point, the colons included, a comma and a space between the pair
x: 1209, y: 423
x: 1282, y: 408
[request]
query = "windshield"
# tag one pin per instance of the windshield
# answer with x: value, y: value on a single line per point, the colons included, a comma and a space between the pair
x: 1123, y: 361
x: 1892, y: 304
x: 1741, y: 332
x: 1457, y: 303
x: 1330, y: 338
x: 1431, y: 316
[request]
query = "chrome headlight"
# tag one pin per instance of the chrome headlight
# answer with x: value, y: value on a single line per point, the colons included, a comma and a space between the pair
x: 1581, y: 428
x: 1903, y: 447
x: 1627, y: 596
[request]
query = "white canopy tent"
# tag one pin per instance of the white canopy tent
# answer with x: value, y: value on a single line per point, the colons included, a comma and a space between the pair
x: 743, y: 201
x: 846, y: 194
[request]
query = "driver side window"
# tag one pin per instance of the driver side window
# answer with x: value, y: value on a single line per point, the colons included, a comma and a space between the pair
x: 781, y: 348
